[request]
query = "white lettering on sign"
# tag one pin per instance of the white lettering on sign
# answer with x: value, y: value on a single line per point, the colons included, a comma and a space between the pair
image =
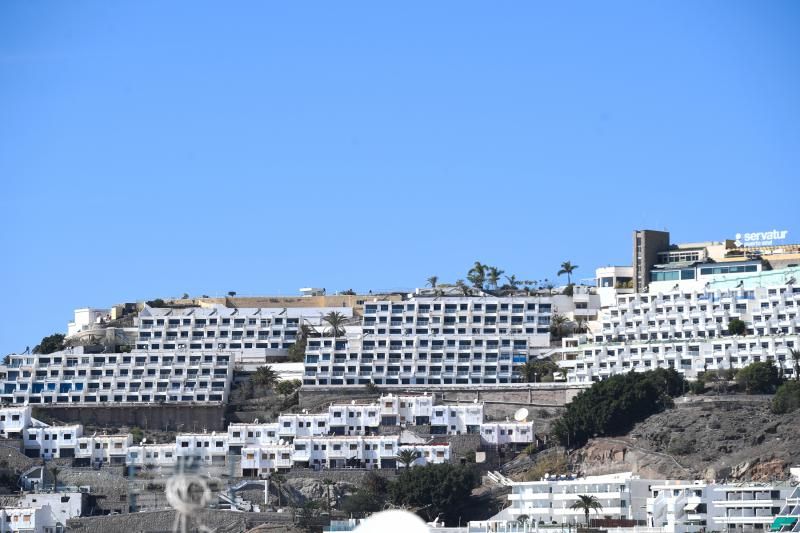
x: 760, y: 238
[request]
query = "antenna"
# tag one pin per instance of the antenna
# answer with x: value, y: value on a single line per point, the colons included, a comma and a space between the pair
x: 521, y: 414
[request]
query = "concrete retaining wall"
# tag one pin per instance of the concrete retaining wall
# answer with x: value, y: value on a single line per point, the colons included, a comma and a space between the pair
x: 519, y: 394
x: 157, y: 417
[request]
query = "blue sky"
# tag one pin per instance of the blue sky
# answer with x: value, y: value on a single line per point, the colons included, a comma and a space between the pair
x: 153, y: 148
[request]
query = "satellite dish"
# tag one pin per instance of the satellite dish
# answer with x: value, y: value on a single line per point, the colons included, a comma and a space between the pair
x: 521, y: 414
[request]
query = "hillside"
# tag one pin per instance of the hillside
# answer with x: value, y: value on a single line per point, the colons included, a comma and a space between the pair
x: 734, y: 437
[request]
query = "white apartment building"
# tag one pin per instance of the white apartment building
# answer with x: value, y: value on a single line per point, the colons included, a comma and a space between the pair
x: 75, y: 377
x: 507, y: 433
x: 267, y: 331
x: 87, y: 318
x: 41, y: 513
x: 52, y: 442
x: 151, y: 455
x: 433, y: 341
x: 98, y: 450
x: 689, y: 332
x: 377, y: 451
x: 788, y: 519
x: 612, y: 282
x: 202, y: 448
x: 623, y: 496
x: 13, y: 420
x: 694, y: 506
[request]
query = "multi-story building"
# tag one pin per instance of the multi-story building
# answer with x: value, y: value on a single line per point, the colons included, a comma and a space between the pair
x: 507, y: 433
x: 689, y: 332
x: 98, y: 450
x: 52, y: 442
x: 788, y: 519
x: 13, y: 420
x: 42, y: 512
x: 646, y: 246
x: 695, y: 506
x: 75, y: 377
x: 151, y: 455
x: 270, y: 331
x: 377, y: 451
x: 433, y: 341
x: 622, y: 496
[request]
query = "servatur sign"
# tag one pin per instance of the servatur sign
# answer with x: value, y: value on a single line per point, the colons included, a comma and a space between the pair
x: 760, y: 238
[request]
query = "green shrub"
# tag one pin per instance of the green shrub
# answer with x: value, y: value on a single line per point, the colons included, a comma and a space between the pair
x: 51, y: 343
x: 787, y: 398
x: 736, y: 327
x: 614, y: 405
x: 759, y: 378
x: 435, y: 489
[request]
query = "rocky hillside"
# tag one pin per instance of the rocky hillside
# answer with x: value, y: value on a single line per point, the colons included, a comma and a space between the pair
x: 726, y: 437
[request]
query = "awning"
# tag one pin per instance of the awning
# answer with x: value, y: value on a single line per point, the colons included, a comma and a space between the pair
x: 691, y: 506
x: 782, y: 521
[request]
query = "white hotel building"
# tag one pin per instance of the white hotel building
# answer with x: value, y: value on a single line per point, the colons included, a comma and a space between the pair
x: 74, y: 377
x: 266, y: 331
x: 433, y: 341
x: 665, y: 506
x: 688, y: 331
x: 623, y: 496
x: 692, y: 507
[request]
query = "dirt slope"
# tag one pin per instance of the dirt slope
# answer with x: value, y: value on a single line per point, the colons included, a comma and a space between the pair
x: 729, y: 437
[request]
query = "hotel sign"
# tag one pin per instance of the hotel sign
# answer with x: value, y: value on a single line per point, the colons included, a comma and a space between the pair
x: 761, y: 238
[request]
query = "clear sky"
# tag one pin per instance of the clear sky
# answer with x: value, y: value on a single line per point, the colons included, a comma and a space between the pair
x: 153, y: 148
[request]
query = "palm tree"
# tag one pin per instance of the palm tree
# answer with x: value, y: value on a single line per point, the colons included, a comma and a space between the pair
x: 328, y: 482
x: 477, y: 275
x: 462, y: 287
x: 432, y: 281
x: 795, y: 353
x: 231, y: 293
x: 512, y: 284
x: 279, y: 480
x: 265, y: 376
x: 336, y: 321
x: 407, y: 457
x: 557, y: 325
x: 567, y: 268
x: 54, y: 472
x: 494, y: 276
x: 586, y: 503
x: 527, y: 372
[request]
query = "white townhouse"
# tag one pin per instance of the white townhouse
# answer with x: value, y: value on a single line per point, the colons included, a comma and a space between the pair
x: 507, y: 433
x: 258, y: 460
x: 98, y: 450
x: 433, y: 341
x: 694, y: 506
x: 623, y: 496
x: 13, y: 420
x: 456, y: 419
x: 52, y: 442
x: 74, y: 377
x: 244, y: 434
x: 202, y: 448
x: 303, y: 425
x: 155, y: 455
x: 369, y: 452
x: 269, y: 331
x: 689, y: 332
